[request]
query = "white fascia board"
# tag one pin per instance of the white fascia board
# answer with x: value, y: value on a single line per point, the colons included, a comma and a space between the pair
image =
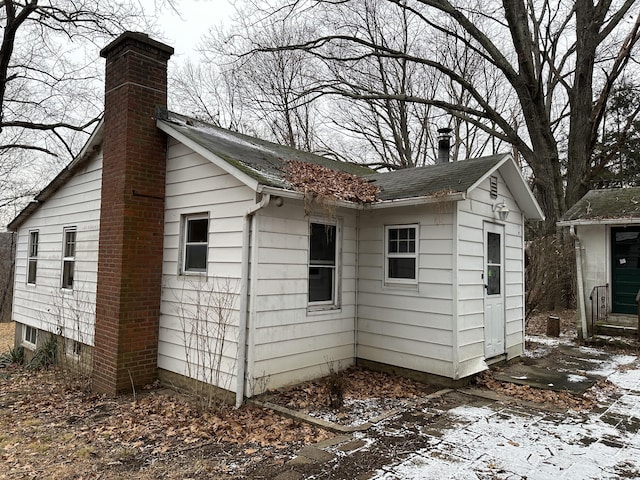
x: 250, y: 182
x: 281, y: 192
x: 402, y: 202
x: 424, y: 200
x: 90, y: 146
x: 599, y: 221
x: 513, y: 178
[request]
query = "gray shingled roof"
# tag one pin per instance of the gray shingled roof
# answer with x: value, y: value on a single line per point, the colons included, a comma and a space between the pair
x: 612, y: 203
x: 454, y: 177
x: 265, y: 162
x: 262, y: 160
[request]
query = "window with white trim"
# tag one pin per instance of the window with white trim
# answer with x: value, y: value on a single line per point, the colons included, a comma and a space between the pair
x: 195, y: 243
x: 32, y: 259
x: 323, y: 263
x: 68, y: 257
x: 401, y: 254
x: 30, y: 335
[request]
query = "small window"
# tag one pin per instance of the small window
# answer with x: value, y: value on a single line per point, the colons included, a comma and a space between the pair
x: 30, y: 335
x: 401, y: 254
x: 494, y: 263
x: 196, y: 244
x: 323, y: 245
x: 32, y: 260
x: 68, y: 257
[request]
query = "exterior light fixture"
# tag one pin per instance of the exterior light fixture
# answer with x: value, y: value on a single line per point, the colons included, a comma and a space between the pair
x: 502, y: 210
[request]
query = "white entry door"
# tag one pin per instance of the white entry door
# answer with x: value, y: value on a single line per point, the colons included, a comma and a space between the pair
x: 494, y: 324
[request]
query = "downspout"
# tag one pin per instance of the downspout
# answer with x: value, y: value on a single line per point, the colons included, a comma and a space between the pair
x: 244, y: 293
x: 356, y: 319
x: 580, y: 284
x: 455, y: 324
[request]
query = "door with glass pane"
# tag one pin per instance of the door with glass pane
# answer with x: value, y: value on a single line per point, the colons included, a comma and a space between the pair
x: 493, y: 276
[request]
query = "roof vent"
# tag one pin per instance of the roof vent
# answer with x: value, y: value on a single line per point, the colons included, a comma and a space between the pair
x: 444, y: 144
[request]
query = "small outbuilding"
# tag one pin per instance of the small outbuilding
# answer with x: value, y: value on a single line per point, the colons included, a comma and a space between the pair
x: 606, y: 226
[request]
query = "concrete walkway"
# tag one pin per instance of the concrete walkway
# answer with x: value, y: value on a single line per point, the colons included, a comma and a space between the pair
x: 464, y: 436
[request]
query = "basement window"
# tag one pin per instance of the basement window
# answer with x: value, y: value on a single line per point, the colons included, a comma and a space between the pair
x: 323, y: 264
x: 195, y: 243
x: 68, y: 257
x: 30, y: 335
x: 32, y: 260
x: 401, y: 252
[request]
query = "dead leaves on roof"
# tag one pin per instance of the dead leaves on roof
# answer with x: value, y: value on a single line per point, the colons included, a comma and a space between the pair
x: 316, y: 180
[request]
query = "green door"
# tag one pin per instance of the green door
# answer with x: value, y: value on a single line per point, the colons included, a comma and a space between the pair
x: 625, y: 271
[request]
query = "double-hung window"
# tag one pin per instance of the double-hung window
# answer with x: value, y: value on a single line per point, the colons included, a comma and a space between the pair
x: 68, y: 257
x: 32, y: 260
x: 323, y: 263
x: 401, y: 252
x: 195, y: 243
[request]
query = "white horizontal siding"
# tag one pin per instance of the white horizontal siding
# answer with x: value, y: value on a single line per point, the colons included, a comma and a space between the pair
x: 473, y: 213
x: 594, y: 243
x: 409, y: 326
x: 290, y: 341
x: 46, y: 305
x: 200, y: 314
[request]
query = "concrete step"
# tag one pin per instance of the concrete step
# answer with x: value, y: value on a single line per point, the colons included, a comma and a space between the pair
x: 616, y: 330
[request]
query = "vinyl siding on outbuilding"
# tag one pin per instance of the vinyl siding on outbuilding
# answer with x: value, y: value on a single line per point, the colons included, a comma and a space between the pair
x: 596, y: 254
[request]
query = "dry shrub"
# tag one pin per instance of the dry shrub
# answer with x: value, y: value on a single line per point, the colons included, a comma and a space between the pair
x: 550, y: 273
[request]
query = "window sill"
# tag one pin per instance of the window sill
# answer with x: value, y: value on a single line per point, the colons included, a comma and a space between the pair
x: 319, y: 309
x: 193, y: 275
x: 409, y: 287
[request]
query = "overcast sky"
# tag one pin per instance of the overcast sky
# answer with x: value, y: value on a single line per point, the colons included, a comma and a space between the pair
x: 184, y: 33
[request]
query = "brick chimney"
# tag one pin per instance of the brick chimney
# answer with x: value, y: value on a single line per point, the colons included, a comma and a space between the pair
x: 131, y: 216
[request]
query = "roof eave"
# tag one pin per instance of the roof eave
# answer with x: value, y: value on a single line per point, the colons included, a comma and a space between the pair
x: 89, y: 148
x: 400, y: 202
x: 523, y: 195
x: 599, y: 221
x: 295, y: 195
x: 412, y: 201
x: 239, y: 175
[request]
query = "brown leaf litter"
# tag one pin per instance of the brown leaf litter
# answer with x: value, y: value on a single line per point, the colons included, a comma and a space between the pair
x: 316, y: 180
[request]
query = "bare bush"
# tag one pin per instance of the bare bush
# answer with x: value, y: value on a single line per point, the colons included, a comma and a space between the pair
x: 550, y: 274
x: 206, y: 320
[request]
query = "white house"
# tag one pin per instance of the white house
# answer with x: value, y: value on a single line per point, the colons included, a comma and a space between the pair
x: 606, y: 226
x: 171, y: 248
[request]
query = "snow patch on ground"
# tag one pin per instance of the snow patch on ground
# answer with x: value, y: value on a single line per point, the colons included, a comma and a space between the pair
x: 502, y: 442
x: 608, y: 366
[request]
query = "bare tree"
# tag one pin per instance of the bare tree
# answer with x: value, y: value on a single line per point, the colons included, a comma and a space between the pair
x: 51, y: 82
x: 263, y: 93
x: 557, y: 60
x: 398, y: 133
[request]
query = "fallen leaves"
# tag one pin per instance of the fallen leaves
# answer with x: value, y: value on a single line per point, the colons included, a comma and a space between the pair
x: 46, y: 426
x: 362, y: 387
x: 563, y: 400
x: 313, y: 179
